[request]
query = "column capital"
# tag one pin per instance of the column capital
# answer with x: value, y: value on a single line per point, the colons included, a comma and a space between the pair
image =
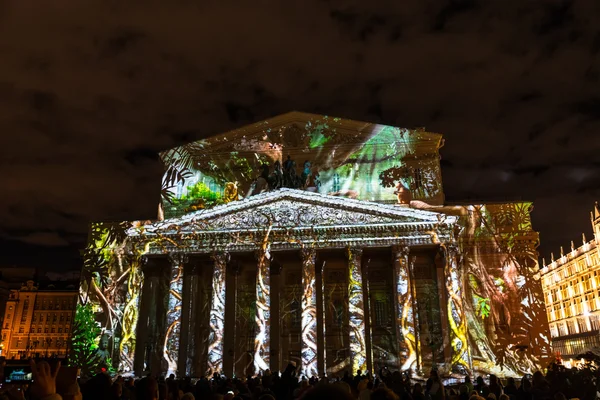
x: 220, y: 257
x: 354, y: 253
x: 451, y: 249
x: 308, y: 254
x: 262, y: 254
x: 399, y: 252
x: 177, y: 259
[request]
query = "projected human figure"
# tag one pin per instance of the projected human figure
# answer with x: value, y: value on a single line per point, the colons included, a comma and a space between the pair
x: 290, y: 178
x: 402, y: 193
x: 276, y: 178
x: 306, y: 174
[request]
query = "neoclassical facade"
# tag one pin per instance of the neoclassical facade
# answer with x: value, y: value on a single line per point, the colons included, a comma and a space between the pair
x: 351, y: 261
x: 571, y: 286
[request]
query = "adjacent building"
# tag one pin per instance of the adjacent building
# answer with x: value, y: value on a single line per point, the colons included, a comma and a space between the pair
x: 37, y: 323
x: 571, y: 286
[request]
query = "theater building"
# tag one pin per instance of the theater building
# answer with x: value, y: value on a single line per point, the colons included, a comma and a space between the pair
x: 322, y: 242
x: 571, y: 286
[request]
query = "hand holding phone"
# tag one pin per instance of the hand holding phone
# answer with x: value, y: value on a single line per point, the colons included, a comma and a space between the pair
x: 18, y: 374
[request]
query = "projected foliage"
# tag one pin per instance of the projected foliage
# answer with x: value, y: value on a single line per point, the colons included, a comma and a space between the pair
x: 494, y: 306
x: 318, y: 156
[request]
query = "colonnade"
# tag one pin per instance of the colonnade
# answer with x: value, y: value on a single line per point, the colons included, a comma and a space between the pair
x: 188, y: 317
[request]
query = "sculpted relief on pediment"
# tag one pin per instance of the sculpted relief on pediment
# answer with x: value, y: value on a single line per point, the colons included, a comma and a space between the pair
x: 290, y: 214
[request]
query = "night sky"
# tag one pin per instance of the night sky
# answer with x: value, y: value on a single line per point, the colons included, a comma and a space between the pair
x: 91, y: 90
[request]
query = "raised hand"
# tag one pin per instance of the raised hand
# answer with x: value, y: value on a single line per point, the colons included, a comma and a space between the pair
x: 44, y: 380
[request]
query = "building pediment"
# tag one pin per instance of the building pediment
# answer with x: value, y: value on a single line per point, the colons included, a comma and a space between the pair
x: 292, y: 209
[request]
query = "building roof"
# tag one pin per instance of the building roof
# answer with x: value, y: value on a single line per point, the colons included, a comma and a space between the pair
x: 292, y: 130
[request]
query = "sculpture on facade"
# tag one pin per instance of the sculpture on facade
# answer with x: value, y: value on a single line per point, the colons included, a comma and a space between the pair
x: 231, y: 192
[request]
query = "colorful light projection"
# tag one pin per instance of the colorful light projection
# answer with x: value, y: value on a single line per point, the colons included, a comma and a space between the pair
x: 315, y: 153
x: 495, y: 304
x: 358, y: 348
x: 217, y: 314
x: 172, y: 343
x: 494, y: 307
x: 309, y: 313
x: 405, y: 318
x: 263, y: 310
x: 461, y: 357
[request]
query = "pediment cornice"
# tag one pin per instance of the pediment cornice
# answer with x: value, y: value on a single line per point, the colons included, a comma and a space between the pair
x: 295, y: 209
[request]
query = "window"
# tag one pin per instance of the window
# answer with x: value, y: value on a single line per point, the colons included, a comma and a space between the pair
x: 336, y: 182
x: 595, y: 322
x: 8, y: 316
x: 59, y: 330
x: 66, y: 330
x: 34, y: 318
x: 21, y: 330
x: 52, y: 330
x: 54, y: 318
x: 295, y: 314
x: 562, y: 330
x: 45, y: 330
x: 68, y: 318
x: 571, y: 327
x: 381, y: 313
x: 39, y: 330
x: 418, y: 175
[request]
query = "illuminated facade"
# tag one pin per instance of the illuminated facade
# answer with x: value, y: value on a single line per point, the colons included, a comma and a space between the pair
x: 37, y: 323
x: 349, y: 261
x: 572, y: 293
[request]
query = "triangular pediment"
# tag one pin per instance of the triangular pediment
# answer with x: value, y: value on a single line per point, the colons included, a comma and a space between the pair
x: 289, y: 209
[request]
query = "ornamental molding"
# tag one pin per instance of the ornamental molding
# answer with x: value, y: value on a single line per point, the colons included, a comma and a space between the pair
x: 290, y: 209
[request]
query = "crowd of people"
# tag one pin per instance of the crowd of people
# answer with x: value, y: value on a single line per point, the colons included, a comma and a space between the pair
x: 559, y: 383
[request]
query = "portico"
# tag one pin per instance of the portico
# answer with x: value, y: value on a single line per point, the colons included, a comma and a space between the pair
x: 328, y: 283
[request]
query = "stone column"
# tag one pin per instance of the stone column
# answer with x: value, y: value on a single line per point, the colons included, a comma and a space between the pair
x: 262, y: 345
x: 152, y: 324
x: 172, y: 338
x: 454, y: 280
x: 229, y: 328
x: 199, y: 314
x: 217, y: 314
x: 367, y: 314
x: 410, y: 262
x: 139, y: 362
x: 183, y: 360
x: 440, y: 266
x: 309, y: 314
x: 275, y: 316
x: 159, y: 323
x: 358, y: 350
x: 320, y: 289
x: 405, y: 331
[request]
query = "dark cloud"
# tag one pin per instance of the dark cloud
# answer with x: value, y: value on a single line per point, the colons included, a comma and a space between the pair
x: 91, y: 91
